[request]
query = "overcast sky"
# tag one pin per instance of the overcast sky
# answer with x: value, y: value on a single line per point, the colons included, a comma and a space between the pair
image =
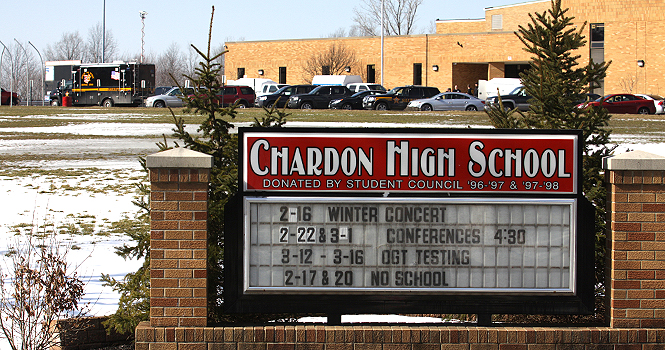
x: 185, y: 22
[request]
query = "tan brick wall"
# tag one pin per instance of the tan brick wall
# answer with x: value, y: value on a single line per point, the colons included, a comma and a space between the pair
x: 637, y: 248
x: 634, y: 30
x: 178, y: 247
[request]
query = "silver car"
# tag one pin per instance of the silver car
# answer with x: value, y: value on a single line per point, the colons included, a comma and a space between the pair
x: 448, y: 101
x: 171, y: 98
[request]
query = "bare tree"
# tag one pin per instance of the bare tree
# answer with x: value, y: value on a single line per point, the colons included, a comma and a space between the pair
x: 96, y: 39
x: 399, y: 17
x: 16, y: 64
x: 69, y: 47
x: 332, y: 61
x: 339, y: 33
x: 37, y: 287
x: 171, y: 63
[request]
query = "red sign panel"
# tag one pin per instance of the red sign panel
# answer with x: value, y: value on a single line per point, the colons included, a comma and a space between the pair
x: 322, y: 161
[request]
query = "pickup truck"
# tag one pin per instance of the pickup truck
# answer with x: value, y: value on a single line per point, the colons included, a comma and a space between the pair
x: 516, y: 99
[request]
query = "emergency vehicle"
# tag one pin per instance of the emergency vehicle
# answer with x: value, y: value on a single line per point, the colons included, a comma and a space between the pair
x: 106, y: 84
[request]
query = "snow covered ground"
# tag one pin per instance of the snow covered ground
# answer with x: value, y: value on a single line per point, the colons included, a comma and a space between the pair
x: 95, y: 189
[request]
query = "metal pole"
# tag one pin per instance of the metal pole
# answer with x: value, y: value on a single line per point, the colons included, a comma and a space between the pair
x: 143, y: 14
x: 27, y: 74
x: 43, y: 73
x: 104, y: 33
x: 11, y: 72
x: 382, y: 11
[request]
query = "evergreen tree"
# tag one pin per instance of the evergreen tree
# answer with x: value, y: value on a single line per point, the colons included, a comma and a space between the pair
x: 558, y: 84
x: 215, y: 140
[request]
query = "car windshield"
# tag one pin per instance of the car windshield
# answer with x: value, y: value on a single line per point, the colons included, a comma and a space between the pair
x: 655, y: 97
x: 394, y: 91
x: 376, y: 87
x: 518, y: 91
x: 282, y: 89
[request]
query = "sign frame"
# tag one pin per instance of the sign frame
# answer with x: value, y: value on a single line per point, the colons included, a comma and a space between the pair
x: 239, y: 299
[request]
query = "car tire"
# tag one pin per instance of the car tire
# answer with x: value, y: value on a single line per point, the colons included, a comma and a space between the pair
x: 270, y: 104
x: 107, y: 103
x: 508, y: 107
x: 306, y: 105
x: 241, y: 104
x: 643, y: 110
x: 347, y: 106
x: 159, y: 104
x: 381, y: 106
x: 426, y: 107
x: 55, y: 103
x: 471, y: 108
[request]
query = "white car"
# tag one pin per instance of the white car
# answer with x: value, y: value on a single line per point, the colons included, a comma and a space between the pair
x: 171, y: 98
x: 657, y: 101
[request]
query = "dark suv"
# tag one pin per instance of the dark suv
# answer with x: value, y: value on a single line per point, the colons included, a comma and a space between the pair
x: 320, y: 97
x: 242, y: 96
x: 398, y: 97
x: 282, y: 95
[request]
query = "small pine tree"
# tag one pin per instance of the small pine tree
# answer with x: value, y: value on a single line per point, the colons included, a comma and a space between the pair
x: 215, y: 140
x: 558, y: 84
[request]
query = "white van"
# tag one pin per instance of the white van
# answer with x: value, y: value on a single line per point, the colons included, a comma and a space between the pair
x: 342, y: 80
x: 357, y: 87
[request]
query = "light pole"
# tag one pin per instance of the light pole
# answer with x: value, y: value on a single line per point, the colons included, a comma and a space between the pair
x: 382, y: 11
x: 40, y: 58
x: 143, y: 14
x: 27, y: 73
x: 104, y: 33
x: 11, y: 72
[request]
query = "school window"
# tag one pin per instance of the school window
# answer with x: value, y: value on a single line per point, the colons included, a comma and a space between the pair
x: 497, y: 22
x: 282, y: 75
x: 241, y: 73
x: 417, y: 74
x: 325, y: 70
x: 371, y: 73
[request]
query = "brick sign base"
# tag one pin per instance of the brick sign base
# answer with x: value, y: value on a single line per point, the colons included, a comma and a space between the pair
x: 636, y: 278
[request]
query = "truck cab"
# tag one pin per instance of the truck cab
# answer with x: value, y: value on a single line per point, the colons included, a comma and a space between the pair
x: 64, y: 88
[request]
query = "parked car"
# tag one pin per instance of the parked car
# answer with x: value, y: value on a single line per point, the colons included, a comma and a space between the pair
x: 320, y: 97
x: 5, y: 97
x: 623, y: 104
x: 354, y: 101
x: 269, y: 88
x: 161, y: 90
x: 172, y: 98
x: 282, y: 95
x: 448, y: 101
x: 398, y: 97
x: 357, y: 87
x: 657, y: 102
x: 241, y: 96
x: 517, y: 98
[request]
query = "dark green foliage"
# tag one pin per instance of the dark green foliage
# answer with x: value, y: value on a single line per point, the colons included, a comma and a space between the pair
x: 134, y: 288
x: 557, y: 84
x: 216, y: 140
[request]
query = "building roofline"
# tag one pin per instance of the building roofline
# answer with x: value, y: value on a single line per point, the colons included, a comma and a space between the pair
x: 513, y: 5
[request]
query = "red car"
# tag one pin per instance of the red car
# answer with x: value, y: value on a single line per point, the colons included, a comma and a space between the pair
x: 623, y: 104
x: 4, y: 97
